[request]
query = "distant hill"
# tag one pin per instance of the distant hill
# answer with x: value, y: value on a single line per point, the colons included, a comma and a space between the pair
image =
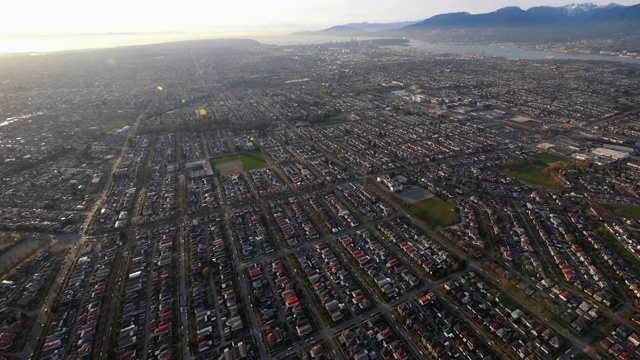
x: 358, y: 29
x: 379, y: 26
x: 201, y: 46
x: 541, y: 23
x: 206, y: 43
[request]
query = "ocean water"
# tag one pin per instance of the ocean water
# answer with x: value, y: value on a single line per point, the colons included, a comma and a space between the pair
x: 63, y: 42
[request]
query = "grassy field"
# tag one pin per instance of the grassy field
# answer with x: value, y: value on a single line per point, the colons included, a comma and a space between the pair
x: 250, y: 160
x: 115, y: 123
x: 530, y: 175
x: 378, y: 89
x: 625, y: 254
x: 225, y: 159
x: 627, y: 211
x: 549, y: 159
x: 434, y: 212
x: 533, y: 172
x: 615, y: 106
x: 253, y: 160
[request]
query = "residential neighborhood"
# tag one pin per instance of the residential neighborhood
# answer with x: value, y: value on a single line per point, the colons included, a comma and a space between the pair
x: 343, y: 200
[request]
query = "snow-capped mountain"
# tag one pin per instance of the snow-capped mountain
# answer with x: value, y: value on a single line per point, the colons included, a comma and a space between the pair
x: 581, y: 8
x: 539, y: 15
x: 577, y: 21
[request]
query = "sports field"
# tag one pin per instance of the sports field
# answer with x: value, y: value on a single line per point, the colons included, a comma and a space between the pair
x: 534, y: 173
x: 627, y: 211
x: 434, y: 212
x: 250, y: 160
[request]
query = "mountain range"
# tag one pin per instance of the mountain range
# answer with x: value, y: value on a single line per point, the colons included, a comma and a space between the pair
x: 373, y: 26
x: 589, y: 14
x: 537, y: 24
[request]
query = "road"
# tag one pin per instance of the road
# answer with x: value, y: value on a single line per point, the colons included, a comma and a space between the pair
x: 110, y: 305
x: 254, y: 326
x: 182, y: 291
x: 43, y: 313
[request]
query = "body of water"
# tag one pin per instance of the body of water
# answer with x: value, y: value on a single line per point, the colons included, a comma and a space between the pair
x: 511, y: 53
x: 10, y: 120
x: 40, y: 44
x: 64, y: 42
x: 508, y: 52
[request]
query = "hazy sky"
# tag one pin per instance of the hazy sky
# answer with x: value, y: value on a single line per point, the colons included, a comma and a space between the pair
x: 63, y: 16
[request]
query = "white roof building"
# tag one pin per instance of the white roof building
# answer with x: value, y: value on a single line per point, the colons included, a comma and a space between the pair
x: 610, y: 153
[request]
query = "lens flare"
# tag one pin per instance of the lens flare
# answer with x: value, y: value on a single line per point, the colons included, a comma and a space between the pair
x: 159, y: 88
x: 201, y: 112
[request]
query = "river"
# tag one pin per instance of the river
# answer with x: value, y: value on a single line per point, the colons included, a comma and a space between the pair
x: 510, y: 52
x: 21, y: 117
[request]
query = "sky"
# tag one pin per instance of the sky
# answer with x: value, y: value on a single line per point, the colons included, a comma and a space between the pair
x: 51, y: 17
